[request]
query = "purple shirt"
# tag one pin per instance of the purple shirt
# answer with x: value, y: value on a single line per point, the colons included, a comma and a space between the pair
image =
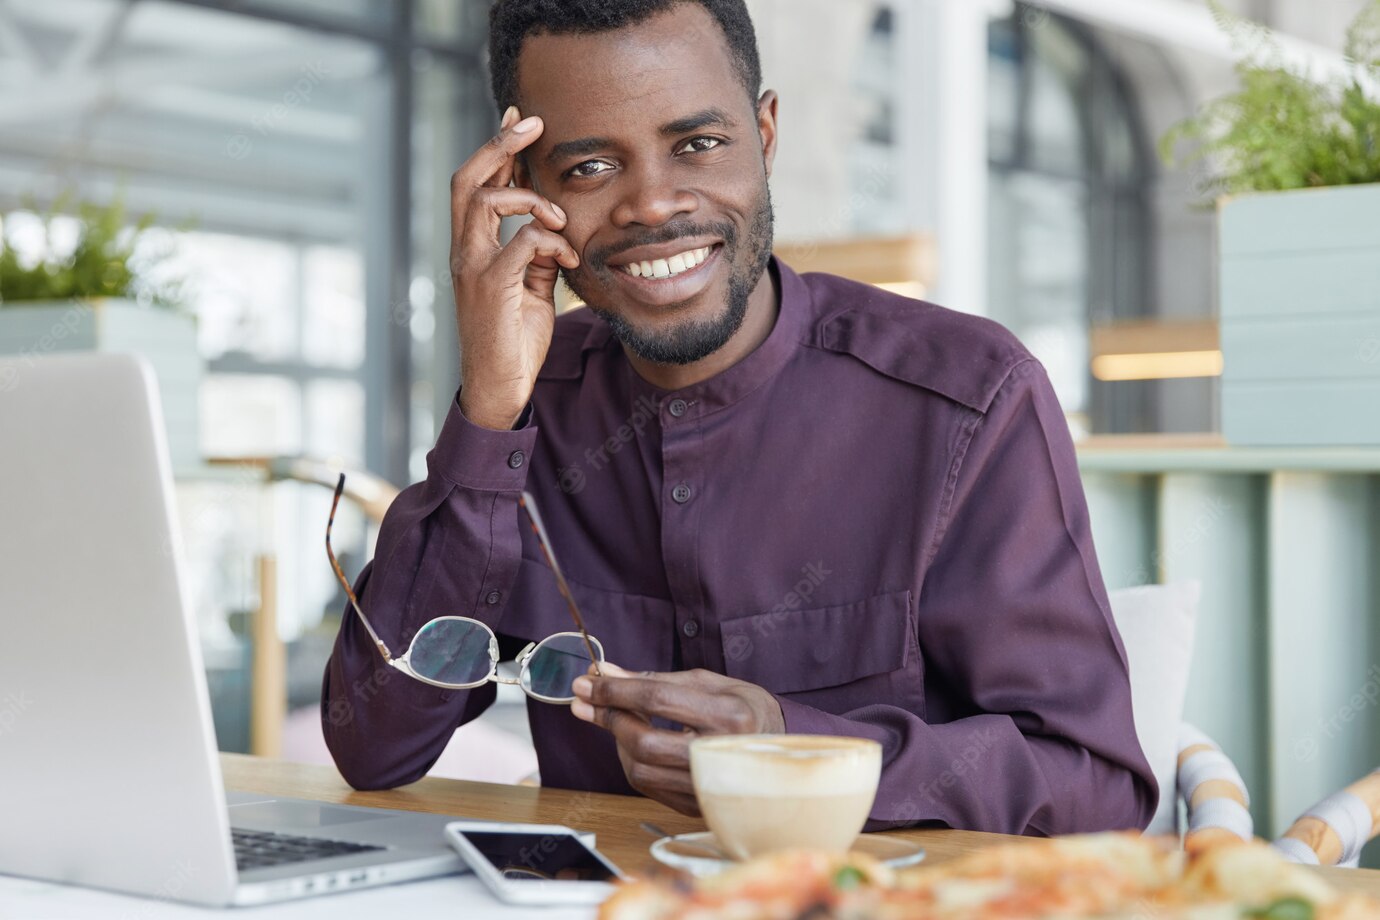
x: 876, y: 516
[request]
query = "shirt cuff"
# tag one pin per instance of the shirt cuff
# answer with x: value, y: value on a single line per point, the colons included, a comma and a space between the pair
x: 807, y: 720
x: 474, y: 457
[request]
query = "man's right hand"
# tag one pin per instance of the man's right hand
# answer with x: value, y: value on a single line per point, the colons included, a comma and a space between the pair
x: 505, y: 306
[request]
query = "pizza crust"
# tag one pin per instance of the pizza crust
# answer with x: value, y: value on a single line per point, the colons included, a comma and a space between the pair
x: 1103, y: 876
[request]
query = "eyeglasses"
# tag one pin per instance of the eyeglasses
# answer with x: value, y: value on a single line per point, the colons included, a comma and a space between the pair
x: 459, y: 653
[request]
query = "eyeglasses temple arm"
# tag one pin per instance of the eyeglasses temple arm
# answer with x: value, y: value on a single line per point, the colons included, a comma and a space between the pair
x: 345, y: 582
x: 530, y: 506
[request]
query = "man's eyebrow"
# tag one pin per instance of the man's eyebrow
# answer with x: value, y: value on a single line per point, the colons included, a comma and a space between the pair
x: 709, y: 118
x: 581, y: 147
x: 585, y: 146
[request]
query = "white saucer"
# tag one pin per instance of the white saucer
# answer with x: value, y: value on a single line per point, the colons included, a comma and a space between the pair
x: 681, y: 852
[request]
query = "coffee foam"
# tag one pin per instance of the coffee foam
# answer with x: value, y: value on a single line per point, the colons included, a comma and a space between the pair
x: 786, y: 769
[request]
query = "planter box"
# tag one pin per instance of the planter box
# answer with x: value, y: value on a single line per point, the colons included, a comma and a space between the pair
x: 1300, y: 301
x: 167, y: 339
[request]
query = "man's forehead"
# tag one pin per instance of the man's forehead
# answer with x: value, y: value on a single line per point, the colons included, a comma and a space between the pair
x: 680, y: 56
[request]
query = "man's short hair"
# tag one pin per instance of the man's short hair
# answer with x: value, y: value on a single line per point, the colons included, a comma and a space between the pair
x: 512, y: 21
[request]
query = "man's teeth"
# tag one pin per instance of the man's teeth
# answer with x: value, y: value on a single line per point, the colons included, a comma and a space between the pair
x: 666, y: 268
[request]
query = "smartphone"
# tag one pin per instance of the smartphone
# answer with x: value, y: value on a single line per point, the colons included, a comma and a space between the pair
x: 534, y: 863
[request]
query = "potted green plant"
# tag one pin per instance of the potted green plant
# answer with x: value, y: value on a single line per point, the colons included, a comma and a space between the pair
x: 1294, y: 164
x: 105, y: 289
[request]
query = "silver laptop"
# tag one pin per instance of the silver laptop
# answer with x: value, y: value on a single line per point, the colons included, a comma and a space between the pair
x: 108, y: 769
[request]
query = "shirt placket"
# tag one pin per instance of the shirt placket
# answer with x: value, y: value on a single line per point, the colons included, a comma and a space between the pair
x: 681, y: 500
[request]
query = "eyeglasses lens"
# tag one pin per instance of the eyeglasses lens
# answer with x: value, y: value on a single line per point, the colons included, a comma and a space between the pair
x: 452, y: 652
x: 554, y: 665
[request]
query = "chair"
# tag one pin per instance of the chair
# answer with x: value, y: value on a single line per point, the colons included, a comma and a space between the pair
x: 508, y: 755
x: 1217, y: 801
x: 268, y: 679
x: 1333, y: 832
x: 1157, y: 626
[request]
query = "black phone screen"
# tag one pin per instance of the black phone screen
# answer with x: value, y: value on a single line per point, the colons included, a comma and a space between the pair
x: 539, y: 857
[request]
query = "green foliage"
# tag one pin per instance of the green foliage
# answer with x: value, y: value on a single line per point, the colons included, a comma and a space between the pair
x: 1285, y: 909
x: 106, y: 262
x: 1283, y: 129
x: 848, y: 878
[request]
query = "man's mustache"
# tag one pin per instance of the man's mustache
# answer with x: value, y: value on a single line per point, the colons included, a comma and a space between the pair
x: 669, y: 233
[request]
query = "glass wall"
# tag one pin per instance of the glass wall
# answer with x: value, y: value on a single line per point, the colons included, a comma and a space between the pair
x: 1069, y: 221
x: 295, y: 150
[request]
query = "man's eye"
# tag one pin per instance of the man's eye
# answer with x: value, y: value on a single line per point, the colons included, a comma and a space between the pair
x: 590, y: 168
x: 701, y: 144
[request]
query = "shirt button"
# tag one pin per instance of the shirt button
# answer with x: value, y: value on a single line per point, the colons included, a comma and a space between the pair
x: 493, y: 598
x: 678, y: 407
x: 516, y: 459
x: 681, y: 493
x: 691, y: 628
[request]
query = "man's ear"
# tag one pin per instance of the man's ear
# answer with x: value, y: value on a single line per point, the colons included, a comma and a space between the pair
x: 766, y: 126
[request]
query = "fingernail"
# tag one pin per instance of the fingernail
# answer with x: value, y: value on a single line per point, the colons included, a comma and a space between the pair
x: 527, y: 124
x: 613, y: 670
x: 560, y: 212
x: 510, y: 115
x: 582, y: 711
x: 582, y: 686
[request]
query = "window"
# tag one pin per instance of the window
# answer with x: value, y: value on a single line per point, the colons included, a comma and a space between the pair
x: 1069, y: 221
x: 299, y: 146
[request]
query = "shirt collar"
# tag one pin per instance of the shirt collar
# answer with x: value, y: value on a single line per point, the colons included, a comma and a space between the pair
x: 731, y: 385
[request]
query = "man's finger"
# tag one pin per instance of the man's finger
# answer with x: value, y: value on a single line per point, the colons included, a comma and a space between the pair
x: 489, y: 206
x: 648, y: 778
x: 530, y: 242
x: 637, y: 737
x: 486, y: 167
x: 644, y: 742
x: 674, y: 700
x: 504, y: 176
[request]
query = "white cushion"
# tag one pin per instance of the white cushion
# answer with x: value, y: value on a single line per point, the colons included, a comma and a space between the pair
x: 1156, y: 624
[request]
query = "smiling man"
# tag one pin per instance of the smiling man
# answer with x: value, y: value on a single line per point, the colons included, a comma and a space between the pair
x: 784, y: 503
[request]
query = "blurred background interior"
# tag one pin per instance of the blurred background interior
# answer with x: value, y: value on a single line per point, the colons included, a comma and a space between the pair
x: 996, y: 157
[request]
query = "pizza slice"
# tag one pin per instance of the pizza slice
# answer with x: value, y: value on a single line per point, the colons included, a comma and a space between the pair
x: 1103, y: 876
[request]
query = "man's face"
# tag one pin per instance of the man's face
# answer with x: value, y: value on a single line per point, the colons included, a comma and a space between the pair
x: 655, y: 151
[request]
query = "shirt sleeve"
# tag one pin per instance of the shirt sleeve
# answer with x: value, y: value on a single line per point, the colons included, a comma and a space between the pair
x: 448, y: 546
x: 1015, y: 623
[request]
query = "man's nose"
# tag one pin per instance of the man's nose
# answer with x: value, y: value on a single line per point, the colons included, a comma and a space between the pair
x: 654, y: 198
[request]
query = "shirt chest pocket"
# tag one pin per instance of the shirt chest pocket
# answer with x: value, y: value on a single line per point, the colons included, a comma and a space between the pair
x: 853, y: 651
x: 637, y: 632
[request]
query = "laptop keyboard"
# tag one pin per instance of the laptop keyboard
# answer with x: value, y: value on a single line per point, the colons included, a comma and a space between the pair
x: 259, y: 849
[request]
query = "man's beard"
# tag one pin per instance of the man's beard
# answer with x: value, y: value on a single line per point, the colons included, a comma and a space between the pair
x: 693, y: 341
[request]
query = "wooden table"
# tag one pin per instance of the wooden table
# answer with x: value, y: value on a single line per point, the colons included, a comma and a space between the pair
x: 614, y: 818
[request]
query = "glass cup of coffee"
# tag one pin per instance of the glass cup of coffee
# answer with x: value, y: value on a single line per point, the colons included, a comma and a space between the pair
x: 761, y: 793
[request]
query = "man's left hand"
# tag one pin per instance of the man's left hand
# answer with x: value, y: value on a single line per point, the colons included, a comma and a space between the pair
x: 656, y: 761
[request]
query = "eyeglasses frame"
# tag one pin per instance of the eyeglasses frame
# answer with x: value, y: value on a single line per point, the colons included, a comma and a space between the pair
x: 523, y: 658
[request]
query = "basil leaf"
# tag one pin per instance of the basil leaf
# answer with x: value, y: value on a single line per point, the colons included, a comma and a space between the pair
x: 1285, y: 909
x: 849, y: 878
